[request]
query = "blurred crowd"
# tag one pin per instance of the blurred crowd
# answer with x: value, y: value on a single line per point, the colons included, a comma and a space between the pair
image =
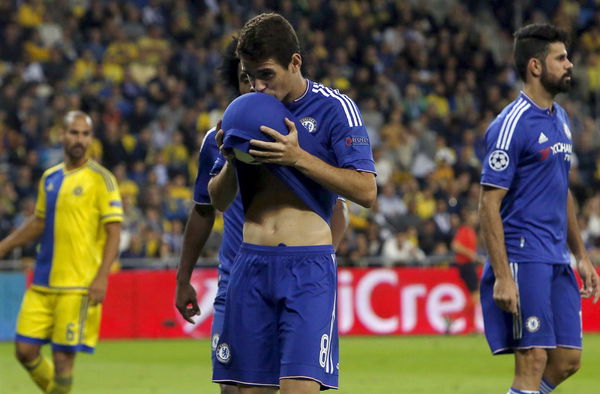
x: 427, y: 75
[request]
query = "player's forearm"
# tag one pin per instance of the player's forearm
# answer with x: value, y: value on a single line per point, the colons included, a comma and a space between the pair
x: 197, y: 230
x: 30, y: 230
x: 493, y: 237
x: 339, y: 222
x: 222, y: 188
x: 574, y: 239
x: 111, y: 248
x: 356, y: 186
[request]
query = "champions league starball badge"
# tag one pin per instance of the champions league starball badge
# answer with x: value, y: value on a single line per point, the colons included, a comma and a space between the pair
x: 499, y: 160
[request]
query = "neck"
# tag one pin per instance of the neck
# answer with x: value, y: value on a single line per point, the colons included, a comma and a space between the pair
x: 539, y: 95
x: 72, y: 164
x: 298, y: 89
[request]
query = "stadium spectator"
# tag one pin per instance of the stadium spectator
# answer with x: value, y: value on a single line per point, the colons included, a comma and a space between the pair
x: 467, y: 259
x: 399, y: 249
x: 384, y: 64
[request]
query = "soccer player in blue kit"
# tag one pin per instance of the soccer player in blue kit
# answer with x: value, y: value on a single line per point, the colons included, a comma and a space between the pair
x: 529, y: 295
x: 280, y: 328
x: 201, y: 220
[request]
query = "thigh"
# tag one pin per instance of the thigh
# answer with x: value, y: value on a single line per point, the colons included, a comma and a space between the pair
x: 498, y: 325
x: 77, y: 324
x: 566, y: 306
x: 308, y: 322
x: 534, y: 326
x: 218, y: 313
x: 534, y: 281
x: 36, y: 317
x: 247, y: 351
x: 219, y: 306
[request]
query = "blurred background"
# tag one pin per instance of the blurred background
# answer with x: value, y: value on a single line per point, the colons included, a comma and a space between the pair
x: 427, y: 75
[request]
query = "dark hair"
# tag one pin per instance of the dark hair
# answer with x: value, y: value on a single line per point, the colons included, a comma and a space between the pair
x: 228, y: 70
x: 268, y: 36
x: 533, y: 41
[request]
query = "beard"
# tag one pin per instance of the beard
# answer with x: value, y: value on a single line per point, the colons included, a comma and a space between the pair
x: 554, y: 85
x: 75, y: 152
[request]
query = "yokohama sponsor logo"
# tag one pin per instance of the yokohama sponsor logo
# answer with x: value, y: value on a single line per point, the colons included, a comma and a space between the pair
x: 561, y: 147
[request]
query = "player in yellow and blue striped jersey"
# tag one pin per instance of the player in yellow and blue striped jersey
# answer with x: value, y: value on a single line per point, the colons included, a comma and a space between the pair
x: 78, y: 219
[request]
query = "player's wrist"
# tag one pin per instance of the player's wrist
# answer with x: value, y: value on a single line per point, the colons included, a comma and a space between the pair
x: 302, y: 159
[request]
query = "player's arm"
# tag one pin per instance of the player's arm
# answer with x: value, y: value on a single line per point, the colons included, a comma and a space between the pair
x: 354, y: 185
x: 505, y: 289
x: 31, y: 229
x: 199, y: 225
x: 97, y: 290
x: 222, y: 188
x: 340, y: 219
x: 589, y: 276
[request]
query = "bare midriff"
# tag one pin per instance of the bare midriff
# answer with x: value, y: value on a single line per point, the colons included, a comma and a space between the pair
x: 277, y: 216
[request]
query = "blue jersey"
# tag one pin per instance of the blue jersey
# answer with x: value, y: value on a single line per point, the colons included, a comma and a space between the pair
x: 335, y: 121
x: 329, y: 127
x: 233, y: 216
x: 529, y: 154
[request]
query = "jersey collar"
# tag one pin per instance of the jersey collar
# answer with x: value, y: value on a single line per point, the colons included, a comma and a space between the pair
x: 547, y: 111
x: 308, y: 87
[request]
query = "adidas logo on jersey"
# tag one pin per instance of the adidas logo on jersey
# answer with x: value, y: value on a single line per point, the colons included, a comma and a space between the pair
x: 542, y: 138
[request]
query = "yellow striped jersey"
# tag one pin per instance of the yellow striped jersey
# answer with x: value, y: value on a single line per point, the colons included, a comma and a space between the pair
x: 75, y: 205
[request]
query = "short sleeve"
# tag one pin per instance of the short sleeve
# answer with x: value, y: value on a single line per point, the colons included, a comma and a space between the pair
x: 109, y: 200
x: 353, y: 148
x: 503, y: 147
x: 40, y: 205
x: 218, y: 165
x: 206, y: 159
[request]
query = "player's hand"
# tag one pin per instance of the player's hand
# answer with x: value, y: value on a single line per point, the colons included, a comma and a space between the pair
x: 506, y: 295
x: 228, y: 154
x: 285, y: 150
x: 97, y: 290
x: 589, y: 277
x: 186, y: 302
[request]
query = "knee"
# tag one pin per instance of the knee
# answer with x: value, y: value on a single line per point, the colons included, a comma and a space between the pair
x: 63, y: 363
x: 26, y: 354
x: 570, y: 366
x: 229, y: 389
x: 534, y: 360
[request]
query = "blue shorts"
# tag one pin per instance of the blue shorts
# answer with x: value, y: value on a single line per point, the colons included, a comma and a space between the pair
x: 550, y: 307
x: 280, y: 317
x: 219, y: 311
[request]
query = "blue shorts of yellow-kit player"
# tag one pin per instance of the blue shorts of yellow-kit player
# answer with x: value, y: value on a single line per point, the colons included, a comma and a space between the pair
x: 67, y: 320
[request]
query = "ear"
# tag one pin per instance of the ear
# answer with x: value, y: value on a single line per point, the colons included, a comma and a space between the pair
x: 534, y: 66
x: 296, y: 62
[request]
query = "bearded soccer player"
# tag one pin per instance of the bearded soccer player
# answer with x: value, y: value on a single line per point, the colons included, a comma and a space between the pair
x: 78, y: 216
x: 280, y: 328
x: 529, y: 295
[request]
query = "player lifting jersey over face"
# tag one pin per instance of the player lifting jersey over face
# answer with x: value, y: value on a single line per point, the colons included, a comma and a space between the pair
x: 280, y: 322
